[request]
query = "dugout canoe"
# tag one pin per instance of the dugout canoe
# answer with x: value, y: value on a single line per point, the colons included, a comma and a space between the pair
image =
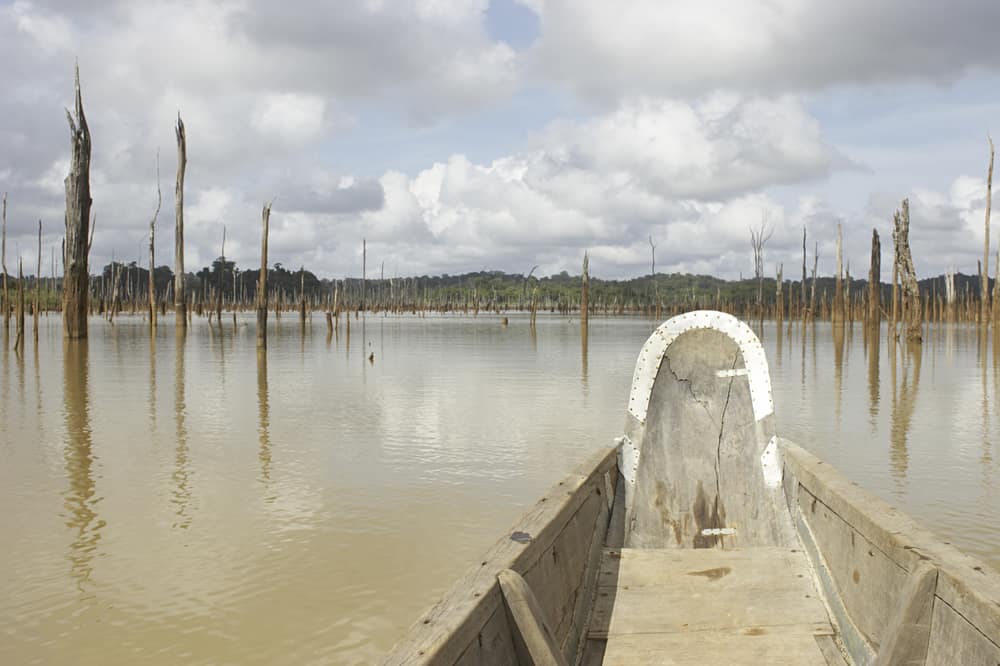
x: 702, y: 537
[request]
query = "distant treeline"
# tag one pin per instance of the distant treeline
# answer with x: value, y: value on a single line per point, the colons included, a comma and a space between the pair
x: 485, y: 289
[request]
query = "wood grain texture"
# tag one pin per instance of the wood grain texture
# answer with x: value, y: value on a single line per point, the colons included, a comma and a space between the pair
x: 76, y: 277
x: 909, y: 630
x: 699, y: 466
x: 956, y: 641
x: 534, y: 641
x: 708, y: 606
x: 856, y: 531
x: 714, y: 647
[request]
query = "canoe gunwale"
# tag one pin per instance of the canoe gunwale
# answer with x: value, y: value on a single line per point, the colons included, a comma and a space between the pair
x: 965, y: 585
x: 452, y: 626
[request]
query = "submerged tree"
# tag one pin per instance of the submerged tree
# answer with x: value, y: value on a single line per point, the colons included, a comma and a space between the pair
x: 907, y: 274
x: 76, y: 278
x: 180, y: 304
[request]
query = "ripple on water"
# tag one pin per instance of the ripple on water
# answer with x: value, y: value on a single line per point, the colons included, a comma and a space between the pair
x: 197, y: 502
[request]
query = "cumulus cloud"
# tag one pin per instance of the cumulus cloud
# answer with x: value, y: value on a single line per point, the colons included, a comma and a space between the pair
x: 685, y: 172
x: 262, y: 90
x: 702, y: 127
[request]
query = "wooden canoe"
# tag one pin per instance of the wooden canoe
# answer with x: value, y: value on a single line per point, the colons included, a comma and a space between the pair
x: 702, y: 537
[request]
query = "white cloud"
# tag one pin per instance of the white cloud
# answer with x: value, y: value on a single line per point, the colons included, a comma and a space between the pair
x: 295, y: 118
x: 684, y: 47
x: 699, y: 128
x: 681, y: 171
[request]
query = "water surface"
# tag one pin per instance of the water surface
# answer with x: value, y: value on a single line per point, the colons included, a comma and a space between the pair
x: 185, y: 500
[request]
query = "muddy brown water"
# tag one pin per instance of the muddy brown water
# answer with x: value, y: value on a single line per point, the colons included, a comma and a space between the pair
x: 185, y: 501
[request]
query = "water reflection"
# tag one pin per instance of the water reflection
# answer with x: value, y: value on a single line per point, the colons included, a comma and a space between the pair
x: 152, y: 383
x: 838, y: 366
x: 263, y: 417
x: 79, y: 500
x: 38, y: 391
x: 904, y: 400
x: 873, y: 348
x: 447, y: 436
x: 778, y: 334
x: 181, y: 477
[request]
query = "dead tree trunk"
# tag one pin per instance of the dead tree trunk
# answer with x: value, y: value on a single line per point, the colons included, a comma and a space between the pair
x: 838, y: 288
x: 949, y: 295
x: 895, y: 284
x: 779, y: 302
x: 585, y: 294
x: 76, y: 278
x: 364, y: 266
x: 984, y: 287
x: 180, y: 305
x: 908, y: 275
x: 152, y: 248
x: 758, y: 237
x: 534, y: 306
x: 38, y: 288
x: 652, y: 272
x: 3, y: 257
x: 222, y: 273
x: 812, y: 290
x: 302, y: 297
x: 995, y: 306
x: 802, y: 297
x: 19, y: 337
x: 874, y: 280
x: 262, y: 283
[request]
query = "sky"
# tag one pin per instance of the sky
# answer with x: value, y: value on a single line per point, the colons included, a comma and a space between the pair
x: 468, y: 135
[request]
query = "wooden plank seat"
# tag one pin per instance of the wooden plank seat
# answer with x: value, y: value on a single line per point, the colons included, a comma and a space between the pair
x: 702, y: 606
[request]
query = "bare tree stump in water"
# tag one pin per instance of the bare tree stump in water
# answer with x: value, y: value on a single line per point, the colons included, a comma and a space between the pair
x: 984, y: 270
x: 19, y: 336
x: 802, y: 296
x: 76, y: 278
x: 180, y: 305
x: 812, y: 289
x: 995, y: 306
x: 585, y: 294
x: 3, y: 258
x: 38, y: 288
x: 838, y: 289
x: 907, y: 274
x: 302, y: 297
x: 222, y: 273
x: 262, y: 284
x: 152, y: 249
x: 779, y: 302
x: 874, y: 280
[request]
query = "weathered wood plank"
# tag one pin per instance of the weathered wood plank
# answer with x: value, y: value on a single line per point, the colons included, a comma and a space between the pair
x: 593, y: 652
x: 615, y: 537
x: 909, y: 631
x: 955, y: 641
x: 700, y: 462
x: 964, y: 583
x: 715, y: 647
x: 634, y: 568
x: 493, y: 645
x: 573, y: 641
x: 868, y: 582
x: 533, y: 639
x: 831, y: 651
x: 451, y: 627
x: 673, y: 591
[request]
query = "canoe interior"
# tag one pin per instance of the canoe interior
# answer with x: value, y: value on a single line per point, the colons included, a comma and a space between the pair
x: 704, y: 538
